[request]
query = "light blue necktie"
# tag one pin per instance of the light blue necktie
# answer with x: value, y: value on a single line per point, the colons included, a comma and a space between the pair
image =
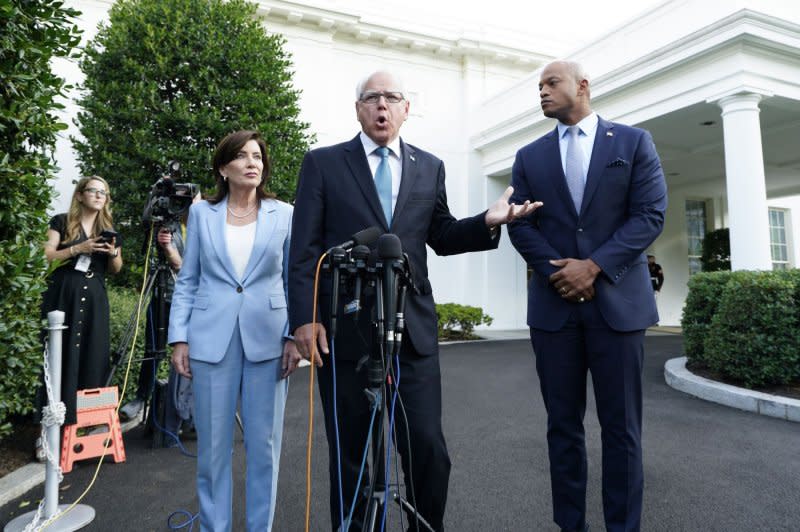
x: 574, y: 167
x: 383, y: 182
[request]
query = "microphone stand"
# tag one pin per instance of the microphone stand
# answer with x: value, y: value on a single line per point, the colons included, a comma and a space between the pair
x: 377, y: 371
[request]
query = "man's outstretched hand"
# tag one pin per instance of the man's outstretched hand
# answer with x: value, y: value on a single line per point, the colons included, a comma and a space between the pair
x: 502, y: 212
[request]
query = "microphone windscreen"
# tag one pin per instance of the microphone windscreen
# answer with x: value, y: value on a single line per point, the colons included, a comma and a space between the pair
x: 360, y: 252
x: 372, y: 259
x: 389, y: 247
x: 367, y: 236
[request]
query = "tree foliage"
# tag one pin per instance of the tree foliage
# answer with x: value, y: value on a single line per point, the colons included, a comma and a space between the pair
x: 716, y: 251
x: 32, y: 33
x: 167, y: 79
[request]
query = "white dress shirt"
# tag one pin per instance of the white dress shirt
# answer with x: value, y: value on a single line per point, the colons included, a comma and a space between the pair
x: 587, y: 132
x: 395, y: 162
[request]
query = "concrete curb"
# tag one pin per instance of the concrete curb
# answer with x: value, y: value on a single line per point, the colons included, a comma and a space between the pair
x: 677, y: 376
x: 20, y: 481
x: 31, y: 475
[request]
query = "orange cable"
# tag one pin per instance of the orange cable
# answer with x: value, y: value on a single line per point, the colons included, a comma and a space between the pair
x: 314, y: 355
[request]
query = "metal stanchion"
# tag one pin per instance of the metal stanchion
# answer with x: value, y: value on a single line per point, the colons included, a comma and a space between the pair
x: 80, y: 515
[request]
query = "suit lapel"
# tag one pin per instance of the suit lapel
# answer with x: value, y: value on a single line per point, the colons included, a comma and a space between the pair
x: 603, y: 142
x: 265, y: 227
x: 356, y: 161
x: 216, y: 228
x: 407, y: 180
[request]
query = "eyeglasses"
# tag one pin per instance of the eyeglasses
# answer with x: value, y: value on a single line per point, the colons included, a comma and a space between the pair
x: 93, y: 190
x: 373, y: 97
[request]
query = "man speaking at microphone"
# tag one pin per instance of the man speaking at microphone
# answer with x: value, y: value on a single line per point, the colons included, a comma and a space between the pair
x: 377, y: 179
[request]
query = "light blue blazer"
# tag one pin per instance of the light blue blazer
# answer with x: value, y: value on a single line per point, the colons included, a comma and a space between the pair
x: 209, y: 300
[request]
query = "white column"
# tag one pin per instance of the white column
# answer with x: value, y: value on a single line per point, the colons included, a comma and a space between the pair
x: 747, y: 190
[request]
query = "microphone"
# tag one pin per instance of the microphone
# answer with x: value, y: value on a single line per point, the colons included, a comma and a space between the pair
x: 390, y: 251
x: 337, y: 256
x: 365, y: 237
x: 359, y: 254
x: 401, y: 301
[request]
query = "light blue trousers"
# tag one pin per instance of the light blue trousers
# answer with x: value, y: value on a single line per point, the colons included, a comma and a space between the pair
x: 217, y: 387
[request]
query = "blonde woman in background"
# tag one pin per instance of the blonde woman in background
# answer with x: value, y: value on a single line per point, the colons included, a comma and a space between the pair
x: 84, y: 240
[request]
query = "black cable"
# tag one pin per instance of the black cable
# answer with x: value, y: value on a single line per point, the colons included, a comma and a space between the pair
x: 410, y: 462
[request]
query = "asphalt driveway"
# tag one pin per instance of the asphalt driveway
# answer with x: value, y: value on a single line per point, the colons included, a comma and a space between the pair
x: 707, y: 467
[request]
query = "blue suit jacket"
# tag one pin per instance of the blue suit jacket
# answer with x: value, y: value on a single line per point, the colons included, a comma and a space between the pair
x: 336, y: 198
x: 209, y: 299
x: 622, y: 214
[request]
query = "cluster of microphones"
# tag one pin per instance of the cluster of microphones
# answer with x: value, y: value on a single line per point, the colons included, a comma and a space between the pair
x: 386, y: 269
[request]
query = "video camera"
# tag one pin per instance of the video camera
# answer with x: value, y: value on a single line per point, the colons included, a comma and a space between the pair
x: 168, y: 200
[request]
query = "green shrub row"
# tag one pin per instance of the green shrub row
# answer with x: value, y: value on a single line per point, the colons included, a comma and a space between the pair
x: 31, y: 35
x: 456, y: 322
x: 745, y: 325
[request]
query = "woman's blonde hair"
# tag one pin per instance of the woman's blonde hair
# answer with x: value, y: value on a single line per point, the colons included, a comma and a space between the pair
x: 104, y: 219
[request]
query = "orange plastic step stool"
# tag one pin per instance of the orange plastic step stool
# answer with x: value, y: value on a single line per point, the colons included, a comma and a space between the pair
x: 97, y: 406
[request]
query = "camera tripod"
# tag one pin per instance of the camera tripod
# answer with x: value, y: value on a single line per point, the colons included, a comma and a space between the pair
x: 155, y: 300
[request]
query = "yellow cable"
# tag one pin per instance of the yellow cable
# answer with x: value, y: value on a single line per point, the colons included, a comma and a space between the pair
x: 124, y: 386
x: 311, y: 394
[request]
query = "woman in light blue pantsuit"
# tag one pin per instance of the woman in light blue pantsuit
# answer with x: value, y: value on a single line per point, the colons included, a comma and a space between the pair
x: 228, y: 325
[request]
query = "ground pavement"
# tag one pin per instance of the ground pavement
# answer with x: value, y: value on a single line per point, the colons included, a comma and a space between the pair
x: 707, y: 467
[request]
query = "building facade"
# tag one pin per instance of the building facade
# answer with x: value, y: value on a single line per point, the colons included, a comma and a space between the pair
x: 717, y: 85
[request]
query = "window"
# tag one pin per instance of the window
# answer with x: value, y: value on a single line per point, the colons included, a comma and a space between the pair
x: 696, y: 232
x: 777, y: 239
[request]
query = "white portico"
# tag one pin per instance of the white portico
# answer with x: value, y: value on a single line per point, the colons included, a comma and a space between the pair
x: 721, y: 98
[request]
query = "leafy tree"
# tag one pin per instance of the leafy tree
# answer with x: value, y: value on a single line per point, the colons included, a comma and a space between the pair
x: 31, y: 34
x: 167, y: 79
x: 716, y: 251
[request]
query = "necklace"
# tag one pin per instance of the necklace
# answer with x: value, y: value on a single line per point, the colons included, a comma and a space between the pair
x: 245, y: 215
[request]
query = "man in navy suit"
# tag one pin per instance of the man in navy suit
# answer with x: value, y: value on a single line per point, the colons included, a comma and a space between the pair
x: 589, y: 299
x: 344, y: 189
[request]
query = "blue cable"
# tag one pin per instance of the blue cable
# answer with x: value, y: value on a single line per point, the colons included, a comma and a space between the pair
x: 336, y: 430
x: 363, y: 465
x: 175, y: 437
x: 190, y: 519
x: 389, y: 444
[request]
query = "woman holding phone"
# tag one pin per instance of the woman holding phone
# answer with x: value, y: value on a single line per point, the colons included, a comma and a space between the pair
x: 85, y: 244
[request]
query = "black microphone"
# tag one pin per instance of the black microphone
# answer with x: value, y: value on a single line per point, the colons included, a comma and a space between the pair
x: 359, y: 254
x: 365, y: 237
x: 405, y: 283
x: 390, y: 251
x: 337, y: 257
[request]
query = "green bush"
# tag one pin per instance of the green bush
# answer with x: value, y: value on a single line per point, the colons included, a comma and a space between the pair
x: 123, y: 303
x: 456, y: 322
x: 168, y: 79
x: 753, y: 336
x: 705, y: 294
x: 31, y: 34
x: 716, y: 255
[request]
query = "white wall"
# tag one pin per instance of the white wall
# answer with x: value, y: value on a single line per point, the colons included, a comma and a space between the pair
x: 327, y: 67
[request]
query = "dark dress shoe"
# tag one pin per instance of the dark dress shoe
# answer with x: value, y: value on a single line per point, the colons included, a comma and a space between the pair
x: 585, y: 529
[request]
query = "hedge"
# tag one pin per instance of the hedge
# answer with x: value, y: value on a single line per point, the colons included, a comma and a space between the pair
x: 705, y: 293
x: 31, y: 35
x: 458, y: 321
x: 748, y: 324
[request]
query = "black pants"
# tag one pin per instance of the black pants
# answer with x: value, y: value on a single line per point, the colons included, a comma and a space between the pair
x: 428, y: 462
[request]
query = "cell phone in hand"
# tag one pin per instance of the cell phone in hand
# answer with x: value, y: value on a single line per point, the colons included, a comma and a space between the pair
x: 107, y: 236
